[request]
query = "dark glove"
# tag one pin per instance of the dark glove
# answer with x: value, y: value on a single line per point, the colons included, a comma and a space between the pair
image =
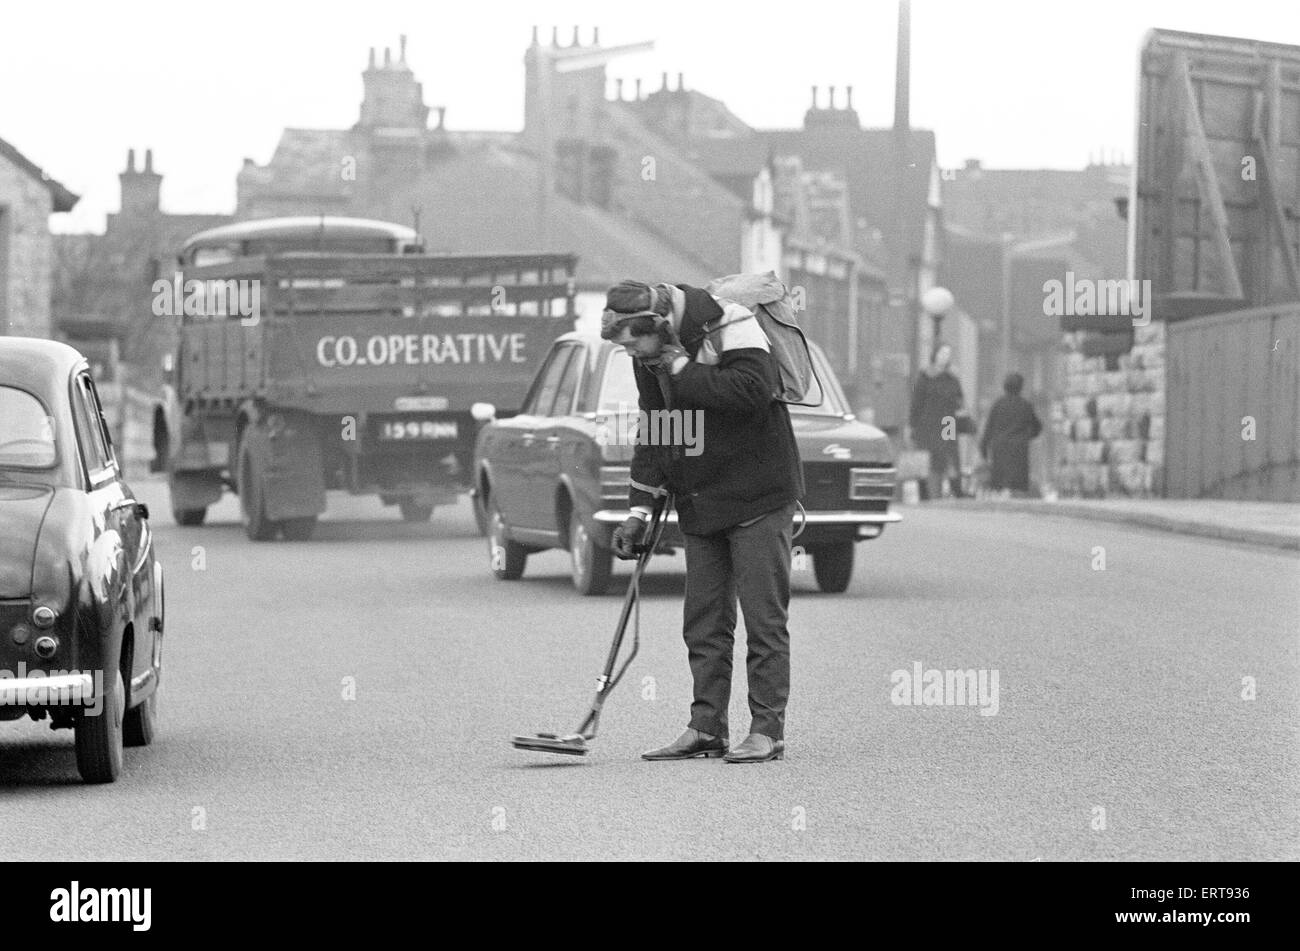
x: 628, y: 537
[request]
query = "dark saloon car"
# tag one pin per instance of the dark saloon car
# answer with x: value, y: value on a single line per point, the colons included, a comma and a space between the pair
x: 556, y: 475
x: 81, y: 592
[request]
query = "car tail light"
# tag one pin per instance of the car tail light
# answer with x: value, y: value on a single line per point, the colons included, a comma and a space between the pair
x: 874, y: 483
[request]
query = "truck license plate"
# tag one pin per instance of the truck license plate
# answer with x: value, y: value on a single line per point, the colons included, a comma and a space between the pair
x: 418, y: 429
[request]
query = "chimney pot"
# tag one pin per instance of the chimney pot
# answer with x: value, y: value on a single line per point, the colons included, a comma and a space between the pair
x: 664, y: 82
x: 402, y: 46
x: 814, y: 103
x: 534, y: 34
x: 442, y: 116
x: 576, y: 40
x: 372, y: 58
x: 388, y: 57
x: 638, y: 90
x: 618, y: 89
x: 848, y: 95
x: 595, y: 36
x: 555, y: 36
x: 130, y: 160
x: 148, y: 160
x: 832, y: 103
x: 680, y: 84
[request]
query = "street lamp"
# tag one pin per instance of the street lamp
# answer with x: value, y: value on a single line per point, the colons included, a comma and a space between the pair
x: 937, y: 302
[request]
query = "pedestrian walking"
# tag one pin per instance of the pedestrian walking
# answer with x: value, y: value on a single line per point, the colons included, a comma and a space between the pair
x: 934, y: 421
x: 735, y: 500
x: 1012, y: 423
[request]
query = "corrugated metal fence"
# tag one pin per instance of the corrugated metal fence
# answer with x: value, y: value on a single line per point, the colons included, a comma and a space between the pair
x: 1226, y: 372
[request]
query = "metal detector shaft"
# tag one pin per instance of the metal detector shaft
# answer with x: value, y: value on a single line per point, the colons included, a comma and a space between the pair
x: 608, y: 678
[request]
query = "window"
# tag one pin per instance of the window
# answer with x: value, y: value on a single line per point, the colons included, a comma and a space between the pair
x: 26, y: 431
x: 618, y: 391
x: 95, y: 446
x: 568, y: 385
x: 544, y: 397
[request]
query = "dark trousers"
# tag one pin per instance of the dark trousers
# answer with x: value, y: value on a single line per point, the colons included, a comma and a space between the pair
x: 751, y: 562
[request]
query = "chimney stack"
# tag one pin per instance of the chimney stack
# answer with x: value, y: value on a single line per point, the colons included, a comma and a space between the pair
x: 902, y: 94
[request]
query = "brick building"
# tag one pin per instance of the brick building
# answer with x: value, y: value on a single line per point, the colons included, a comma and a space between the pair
x: 27, y: 199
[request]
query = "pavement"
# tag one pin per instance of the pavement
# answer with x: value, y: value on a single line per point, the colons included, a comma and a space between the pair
x: 1274, y: 524
x: 351, y: 697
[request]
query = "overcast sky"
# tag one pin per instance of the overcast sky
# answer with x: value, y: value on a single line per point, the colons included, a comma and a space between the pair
x: 1016, y: 83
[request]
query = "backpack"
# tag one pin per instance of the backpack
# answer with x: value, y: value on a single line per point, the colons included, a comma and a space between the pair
x: 767, y: 298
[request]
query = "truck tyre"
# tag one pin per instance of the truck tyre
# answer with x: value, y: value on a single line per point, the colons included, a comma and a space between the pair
x: 413, y: 511
x: 189, y: 517
x: 99, y: 736
x: 592, y: 565
x: 507, y: 558
x: 480, y: 509
x: 252, y: 504
x: 833, y: 566
x: 141, y: 722
x: 298, y: 529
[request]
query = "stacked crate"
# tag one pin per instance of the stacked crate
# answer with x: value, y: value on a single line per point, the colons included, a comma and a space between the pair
x: 1110, y: 424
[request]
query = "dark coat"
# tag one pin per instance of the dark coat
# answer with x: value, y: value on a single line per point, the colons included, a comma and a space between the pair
x: 933, y: 398
x: 749, y: 464
x: 1011, y: 424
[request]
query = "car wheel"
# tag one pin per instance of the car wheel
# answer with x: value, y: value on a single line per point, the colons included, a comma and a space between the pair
x: 480, y: 511
x: 508, y: 558
x: 298, y: 529
x: 833, y: 566
x: 413, y: 511
x: 141, y: 722
x: 592, y: 564
x: 99, y: 736
x: 190, y: 517
x: 257, y: 526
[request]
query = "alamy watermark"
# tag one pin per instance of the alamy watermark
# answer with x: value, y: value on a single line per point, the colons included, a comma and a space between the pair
x: 945, y: 688
x: 208, y: 298
x: 656, y: 427
x: 39, y: 690
x: 1084, y: 297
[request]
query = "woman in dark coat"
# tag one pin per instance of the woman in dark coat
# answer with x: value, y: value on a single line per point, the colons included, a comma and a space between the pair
x: 1011, y: 424
x: 937, y: 401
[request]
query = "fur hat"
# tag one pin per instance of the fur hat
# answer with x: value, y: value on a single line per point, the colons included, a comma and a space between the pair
x: 628, y: 299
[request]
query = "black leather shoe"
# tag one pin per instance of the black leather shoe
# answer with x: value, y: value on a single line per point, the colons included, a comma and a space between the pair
x: 757, y: 748
x: 690, y: 745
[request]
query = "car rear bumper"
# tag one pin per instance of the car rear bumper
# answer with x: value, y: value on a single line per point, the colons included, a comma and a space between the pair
x: 46, y: 690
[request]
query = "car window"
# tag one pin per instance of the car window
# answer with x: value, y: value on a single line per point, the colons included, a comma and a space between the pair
x: 568, y: 384
x: 26, y: 432
x: 618, y: 389
x: 94, y: 441
x: 835, y: 403
x: 541, y: 404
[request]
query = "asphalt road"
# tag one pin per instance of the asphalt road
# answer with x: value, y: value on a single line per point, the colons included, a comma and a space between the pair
x: 351, y: 698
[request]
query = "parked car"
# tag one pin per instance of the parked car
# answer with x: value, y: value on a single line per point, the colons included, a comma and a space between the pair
x: 556, y: 475
x: 81, y: 590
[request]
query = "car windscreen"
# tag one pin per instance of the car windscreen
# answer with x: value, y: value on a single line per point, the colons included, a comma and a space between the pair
x: 619, y: 386
x: 26, y: 432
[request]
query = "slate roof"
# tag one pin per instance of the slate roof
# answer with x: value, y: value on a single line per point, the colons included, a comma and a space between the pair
x: 63, y: 199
